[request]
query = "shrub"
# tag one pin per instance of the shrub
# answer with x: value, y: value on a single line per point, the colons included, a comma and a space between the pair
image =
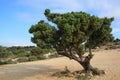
x: 32, y: 58
x: 4, y: 53
x: 21, y: 53
x: 2, y: 63
x: 96, y: 71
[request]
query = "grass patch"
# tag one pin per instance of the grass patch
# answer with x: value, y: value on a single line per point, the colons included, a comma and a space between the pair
x: 96, y: 71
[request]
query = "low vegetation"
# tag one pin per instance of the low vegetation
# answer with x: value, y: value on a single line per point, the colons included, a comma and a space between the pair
x: 12, y: 55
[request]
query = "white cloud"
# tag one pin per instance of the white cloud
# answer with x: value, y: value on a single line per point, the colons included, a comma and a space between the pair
x: 102, y: 7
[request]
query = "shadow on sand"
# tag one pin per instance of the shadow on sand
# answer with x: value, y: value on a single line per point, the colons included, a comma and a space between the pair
x: 20, y: 71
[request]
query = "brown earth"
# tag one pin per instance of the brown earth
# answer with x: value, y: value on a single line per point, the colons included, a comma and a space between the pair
x: 108, y: 60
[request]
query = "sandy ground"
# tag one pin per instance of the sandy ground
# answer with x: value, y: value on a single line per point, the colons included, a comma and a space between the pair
x: 108, y: 60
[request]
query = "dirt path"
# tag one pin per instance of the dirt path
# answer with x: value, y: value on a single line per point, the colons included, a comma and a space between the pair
x: 108, y: 60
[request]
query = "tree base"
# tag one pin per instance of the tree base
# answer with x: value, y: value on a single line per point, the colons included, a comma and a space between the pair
x: 80, y: 75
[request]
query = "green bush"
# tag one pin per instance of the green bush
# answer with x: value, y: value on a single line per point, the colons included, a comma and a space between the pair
x: 4, y: 53
x: 32, y: 58
x: 21, y: 53
x: 96, y: 71
x: 2, y: 63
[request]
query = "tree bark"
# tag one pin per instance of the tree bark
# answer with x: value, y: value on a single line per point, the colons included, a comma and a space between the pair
x: 86, y: 64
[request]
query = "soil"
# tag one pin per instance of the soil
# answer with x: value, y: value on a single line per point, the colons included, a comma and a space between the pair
x: 108, y: 60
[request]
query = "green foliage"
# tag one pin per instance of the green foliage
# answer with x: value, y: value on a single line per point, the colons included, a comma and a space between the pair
x: 21, y: 53
x: 36, y: 51
x: 103, y: 33
x: 44, y: 35
x: 39, y: 53
x: 11, y: 55
x: 2, y: 63
x: 32, y: 58
x: 96, y: 71
x: 4, y: 53
x: 73, y: 30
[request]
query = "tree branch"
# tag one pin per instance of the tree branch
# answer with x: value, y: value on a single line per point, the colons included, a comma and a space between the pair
x: 72, y: 56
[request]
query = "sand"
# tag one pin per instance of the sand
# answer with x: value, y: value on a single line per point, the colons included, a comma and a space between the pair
x: 108, y: 60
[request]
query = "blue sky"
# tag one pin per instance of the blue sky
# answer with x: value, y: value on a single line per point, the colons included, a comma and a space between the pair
x: 17, y: 16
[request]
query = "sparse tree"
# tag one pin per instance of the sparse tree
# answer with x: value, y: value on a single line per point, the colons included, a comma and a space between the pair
x: 73, y: 33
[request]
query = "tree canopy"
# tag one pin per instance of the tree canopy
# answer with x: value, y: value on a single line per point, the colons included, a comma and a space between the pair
x: 75, y: 31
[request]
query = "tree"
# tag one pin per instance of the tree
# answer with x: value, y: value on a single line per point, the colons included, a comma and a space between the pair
x: 73, y: 33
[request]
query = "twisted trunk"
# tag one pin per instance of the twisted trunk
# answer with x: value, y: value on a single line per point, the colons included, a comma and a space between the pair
x: 85, y: 63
